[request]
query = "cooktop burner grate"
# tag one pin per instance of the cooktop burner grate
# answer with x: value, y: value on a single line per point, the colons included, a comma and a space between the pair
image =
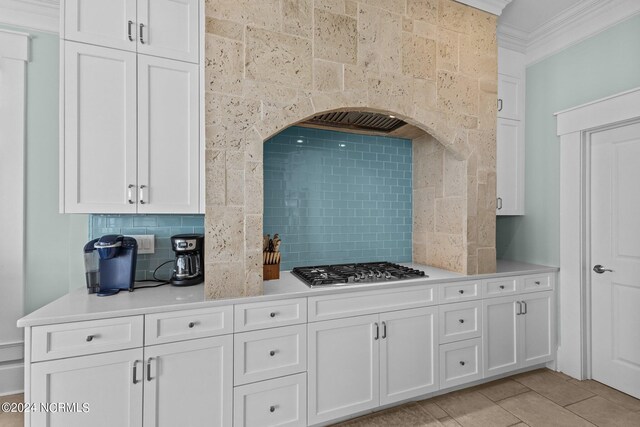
x: 349, y: 274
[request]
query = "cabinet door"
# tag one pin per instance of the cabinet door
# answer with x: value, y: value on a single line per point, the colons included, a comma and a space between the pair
x: 508, y: 97
x: 169, y: 28
x: 510, y: 167
x: 168, y: 136
x: 99, y: 129
x: 343, y: 367
x: 500, y: 335
x: 105, y: 382
x: 408, y: 354
x: 538, y: 338
x: 106, y: 23
x: 189, y: 383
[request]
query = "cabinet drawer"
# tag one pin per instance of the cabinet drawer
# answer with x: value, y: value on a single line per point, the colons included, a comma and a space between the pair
x: 539, y: 282
x: 80, y: 338
x: 271, y: 353
x: 369, y: 302
x: 279, y: 402
x: 261, y: 315
x: 460, y: 362
x: 187, y: 324
x: 460, y: 321
x: 459, y: 291
x: 500, y: 286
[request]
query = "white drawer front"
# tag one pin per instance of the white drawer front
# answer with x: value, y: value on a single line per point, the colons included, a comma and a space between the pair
x: 261, y: 315
x: 369, y: 302
x: 279, y: 402
x: 88, y: 337
x: 540, y: 282
x: 270, y: 353
x: 500, y: 286
x: 459, y: 291
x: 460, y: 321
x: 460, y: 362
x: 188, y: 324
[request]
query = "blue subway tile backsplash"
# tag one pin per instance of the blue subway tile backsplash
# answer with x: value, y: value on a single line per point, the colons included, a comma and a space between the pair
x: 338, y: 197
x: 162, y: 226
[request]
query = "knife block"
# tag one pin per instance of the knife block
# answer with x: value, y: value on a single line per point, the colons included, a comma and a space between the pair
x: 271, y: 271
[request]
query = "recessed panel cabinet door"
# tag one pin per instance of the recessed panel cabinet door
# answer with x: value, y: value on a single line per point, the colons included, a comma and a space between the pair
x: 408, y: 354
x: 169, y: 28
x: 109, y: 23
x: 189, y: 383
x: 537, y: 328
x: 508, y: 93
x: 168, y: 136
x: 343, y: 367
x: 510, y: 167
x: 105, y: 382
x: 99, y: 129
x: 500, y: 335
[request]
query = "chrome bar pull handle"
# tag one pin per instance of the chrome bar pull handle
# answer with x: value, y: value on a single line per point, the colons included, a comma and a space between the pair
x: 135, y: 371
x: 129, y: 32
x: 499, y: 104
x: 142, y: 187
x: 519, y: 312
x: 499, y: 203
x: 524, y: 305
x: 149, y: 377
x: 141, y: 34
x: 384, y: 330
x: 377, y: 331
x: 130, y: 194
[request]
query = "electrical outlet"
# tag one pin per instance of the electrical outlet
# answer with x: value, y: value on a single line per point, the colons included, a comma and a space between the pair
x: 146, y: 243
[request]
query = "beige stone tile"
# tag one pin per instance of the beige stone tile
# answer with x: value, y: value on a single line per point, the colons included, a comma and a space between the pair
x: 432, y: 409
x: 418, y: 56
x: 454, y: 16
x: 228, y: 119
x: 254, y: 189
x: 537, y: 411
x: 553, y: 388
x: 472, y: 264
x: 424, y: 210
x: 215, y: 186
x: 297, y: 17
x: 263, y: 13
x: 355, y: 78
x: 351, y: 8
x: 407, y: 24
x: 224, y: 65
x: 424, y: 94
x: 450, y: 215
x: 224, y: 280
x: 392, y: 93
x: 484, y: 142
x: 379, y: 35
x: 487, y: 111
x: 455, y: 176
x: 253, y: 267
x: 424, y: 10
x: 224, y: 228
x: 457, y: 93
x: 446, y: 251
x: 501, y: 389
x: 561, y: 375
x: 604, y: 413
x: 278, y: 58
x: 333, y: 6
x: 448, y: 50
x: 223, y: 28
x: 327, y: 76
x: 395, y: 6
x: 335, y: 37
x: 609, y: 393
x: 449, y: 422
x: 235, y: 178
x: 425, y: 29
x: 474, y: 409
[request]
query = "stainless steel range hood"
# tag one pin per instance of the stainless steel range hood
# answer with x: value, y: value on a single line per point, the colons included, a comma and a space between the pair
x: 357, y: 120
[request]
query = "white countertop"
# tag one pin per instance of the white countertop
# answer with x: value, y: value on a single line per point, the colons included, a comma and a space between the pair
x: 78, y: 305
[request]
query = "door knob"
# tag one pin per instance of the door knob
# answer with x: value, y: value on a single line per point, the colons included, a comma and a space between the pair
x: 600, y: 269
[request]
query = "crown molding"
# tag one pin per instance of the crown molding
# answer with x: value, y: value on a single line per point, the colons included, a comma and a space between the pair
x: 568, y: 28
x: 38, y: 15
x: 14, y: 45
x: 492, y: 6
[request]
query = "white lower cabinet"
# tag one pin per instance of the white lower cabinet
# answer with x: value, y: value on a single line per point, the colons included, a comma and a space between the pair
x: 359, y: 363
x: 277, y: 402
x: 517, y: 332
x: 460, y: 362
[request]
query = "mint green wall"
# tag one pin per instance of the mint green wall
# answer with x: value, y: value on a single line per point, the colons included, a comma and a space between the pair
x: 602, y: 65
x: 53, y: 241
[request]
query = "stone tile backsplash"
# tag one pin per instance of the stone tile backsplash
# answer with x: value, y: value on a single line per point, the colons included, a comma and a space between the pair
x: 338, y: 197
x: 161, y: 226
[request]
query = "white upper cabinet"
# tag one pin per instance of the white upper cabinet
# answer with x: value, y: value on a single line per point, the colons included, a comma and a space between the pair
x: 168, y: 140
x: 509, y: 89
x: 169, y: 28
x: 99, y: 129
x: 166, y: 28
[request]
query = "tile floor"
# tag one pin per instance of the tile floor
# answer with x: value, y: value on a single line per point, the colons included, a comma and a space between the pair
x: 539, y: 398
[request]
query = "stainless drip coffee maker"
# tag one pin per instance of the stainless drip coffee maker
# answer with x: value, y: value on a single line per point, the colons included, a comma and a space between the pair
x: 188, y: 268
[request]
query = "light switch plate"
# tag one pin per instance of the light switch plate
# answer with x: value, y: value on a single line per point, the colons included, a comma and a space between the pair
x: 146, y: 243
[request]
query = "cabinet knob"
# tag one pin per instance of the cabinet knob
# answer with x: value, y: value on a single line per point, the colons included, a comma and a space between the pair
x: 272, y: 409
x: 272, y: 314
x: 501, y: 286
x: 462, y: 363
x: 461, y: 291
x: 272, y: 353
x: 90, y: 338
x: 461, y: 320
x: 537, y: 282
x: 192, y: 324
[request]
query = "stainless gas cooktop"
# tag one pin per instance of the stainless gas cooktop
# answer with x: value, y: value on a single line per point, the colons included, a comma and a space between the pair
x: 350, y: 274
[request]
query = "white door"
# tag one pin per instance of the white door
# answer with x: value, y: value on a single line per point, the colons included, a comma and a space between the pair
x: 615, y: 245
x: 408, y: 354
x: 105, y: 382
x: 510, y: 167
x: 508, y: 92
x: 343, y: 367
x: 536, y: 327
x: 106, y: 23
x: 169, y: 28
x: 99, y: 129
x: 168, y: 136
x: 189, y: 383
x: 500, y: 335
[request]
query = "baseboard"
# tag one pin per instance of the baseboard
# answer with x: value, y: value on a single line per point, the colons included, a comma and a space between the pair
x: 11, y: 378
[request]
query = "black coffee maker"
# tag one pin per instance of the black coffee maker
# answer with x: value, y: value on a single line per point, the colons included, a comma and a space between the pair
x: 188, y: 268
